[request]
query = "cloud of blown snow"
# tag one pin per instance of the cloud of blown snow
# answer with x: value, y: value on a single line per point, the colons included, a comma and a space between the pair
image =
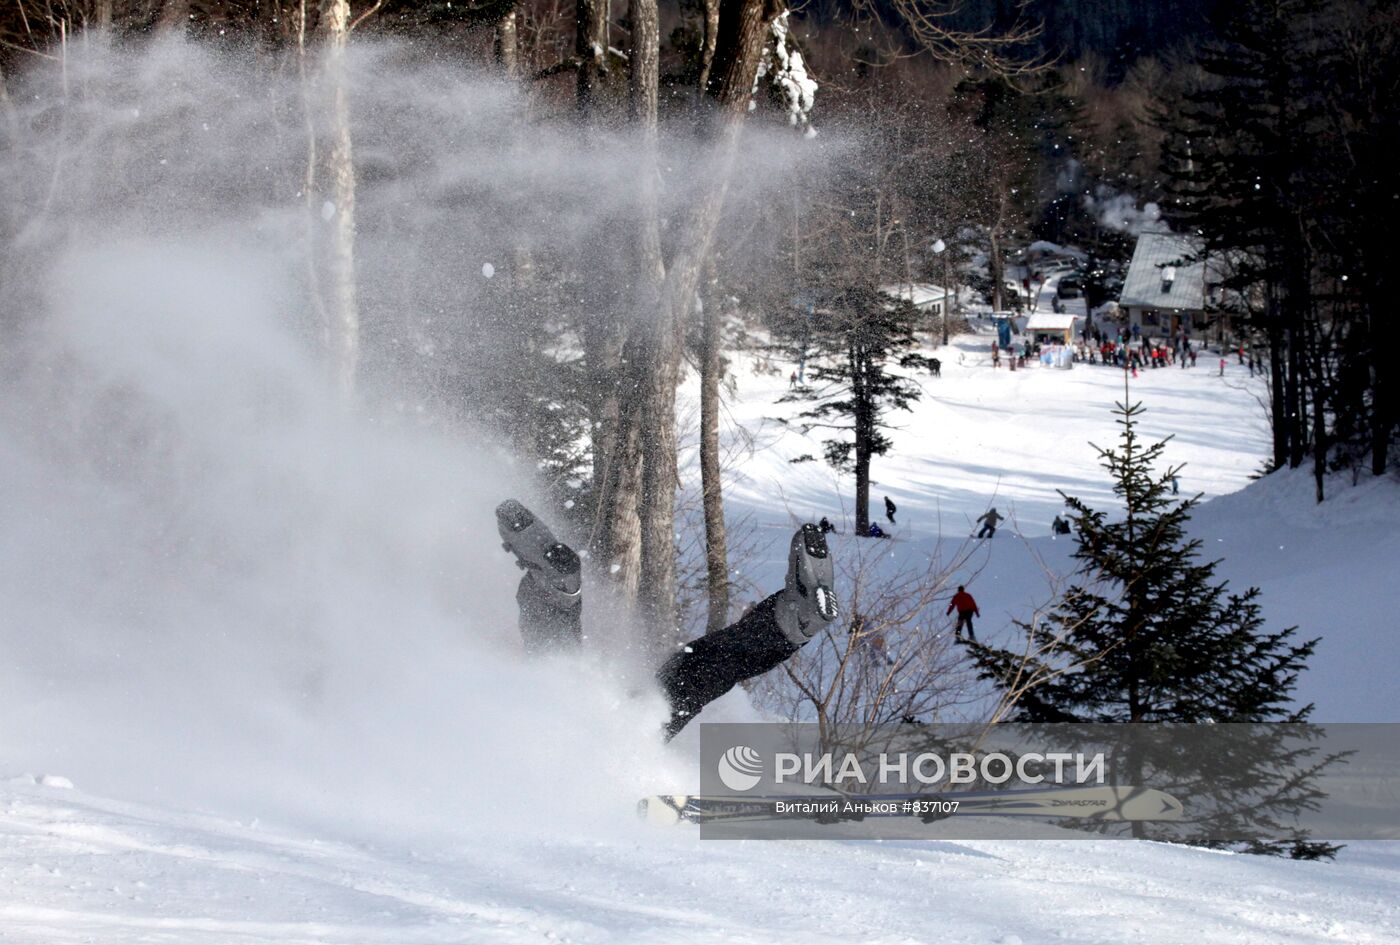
x: 222, y: 583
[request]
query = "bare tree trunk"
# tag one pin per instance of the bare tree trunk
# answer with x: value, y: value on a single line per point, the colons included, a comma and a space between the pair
x: 591, y: 50
x: 507, y: 45
x: 332, y: 181
x: 656, y: 327
x: 345, y: 308
x: 708, y: 41
x: 996, y: 270
x: 665, y: 295
x: 616, y: 540
x: 864, y: 429
x: 712, y: 493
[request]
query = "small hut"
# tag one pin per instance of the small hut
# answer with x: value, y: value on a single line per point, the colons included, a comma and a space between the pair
x: 1051, y: 328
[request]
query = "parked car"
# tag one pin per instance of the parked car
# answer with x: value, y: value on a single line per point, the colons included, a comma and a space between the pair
x: 1070, y: 287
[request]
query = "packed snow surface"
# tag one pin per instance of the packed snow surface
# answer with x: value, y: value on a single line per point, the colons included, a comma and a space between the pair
x: 259, y: 670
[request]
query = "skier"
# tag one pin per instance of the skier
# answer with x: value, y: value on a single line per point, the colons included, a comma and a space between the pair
x: 769, y: 632
x: 825, y: 525
x: 967, y: 608
x: 792, y: 380
x: 1059, y: 526
x: 876, y: 531
x: 889, y: 510
x: 996, y: 355
x: 550, y: 595
x: 989, y: 523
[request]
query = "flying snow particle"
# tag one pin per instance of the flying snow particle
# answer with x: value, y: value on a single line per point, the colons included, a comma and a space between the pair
x: 488, y: 270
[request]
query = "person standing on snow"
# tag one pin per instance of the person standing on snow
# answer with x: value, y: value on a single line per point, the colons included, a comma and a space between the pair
x: 1059, y: 526
x: 889, y: 510
x: 966, y: 607
x: 705, y: 668
x: 989, y: 523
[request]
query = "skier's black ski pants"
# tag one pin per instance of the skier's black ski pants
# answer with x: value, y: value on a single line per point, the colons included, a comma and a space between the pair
x: 709, y: 667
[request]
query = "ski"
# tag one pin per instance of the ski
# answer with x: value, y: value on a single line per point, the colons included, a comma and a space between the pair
x: 1117, y: 803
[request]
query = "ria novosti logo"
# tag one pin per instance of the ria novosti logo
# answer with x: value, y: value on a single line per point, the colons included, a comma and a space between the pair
x: 740, y: 768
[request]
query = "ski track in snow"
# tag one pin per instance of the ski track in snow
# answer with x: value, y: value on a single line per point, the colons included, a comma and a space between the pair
x: 80, y: 869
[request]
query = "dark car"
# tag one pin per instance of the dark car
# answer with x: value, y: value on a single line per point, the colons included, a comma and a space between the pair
x: 1070, y: 288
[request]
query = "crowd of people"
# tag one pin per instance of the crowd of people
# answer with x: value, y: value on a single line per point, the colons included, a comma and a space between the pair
x: 1127, y: 348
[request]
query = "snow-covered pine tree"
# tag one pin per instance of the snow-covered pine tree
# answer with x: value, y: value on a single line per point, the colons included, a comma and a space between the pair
x: 1147, y: 633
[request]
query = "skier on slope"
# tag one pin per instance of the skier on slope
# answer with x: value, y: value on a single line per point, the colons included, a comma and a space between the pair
x: 890, y: 510
x: 706, y: 668
x: 989, y: 523
x: 967, y: 608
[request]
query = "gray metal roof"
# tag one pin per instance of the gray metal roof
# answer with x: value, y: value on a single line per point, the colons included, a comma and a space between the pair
x: 1157, y: 256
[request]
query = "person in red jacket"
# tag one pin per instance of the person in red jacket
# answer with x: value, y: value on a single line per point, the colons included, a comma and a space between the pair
x: 967, y: 609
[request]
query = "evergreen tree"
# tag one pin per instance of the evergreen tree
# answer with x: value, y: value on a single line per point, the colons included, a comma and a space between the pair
x: 858, y: 333
x: 1147, y: 633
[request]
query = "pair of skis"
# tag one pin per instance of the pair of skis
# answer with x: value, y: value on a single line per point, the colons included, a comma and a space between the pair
x: 1115, y: 803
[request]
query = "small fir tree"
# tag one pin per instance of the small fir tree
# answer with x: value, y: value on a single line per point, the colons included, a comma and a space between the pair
x: 1147, y: 633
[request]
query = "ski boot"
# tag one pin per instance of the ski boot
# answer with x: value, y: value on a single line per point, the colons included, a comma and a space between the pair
x: 553, y: 565
x: 807, y: 602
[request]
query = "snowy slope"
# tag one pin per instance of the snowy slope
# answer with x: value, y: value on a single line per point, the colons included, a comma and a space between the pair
x: 271, y: 635
x: 277, y: 659
x: 75, y: 868
x: 982, y: 437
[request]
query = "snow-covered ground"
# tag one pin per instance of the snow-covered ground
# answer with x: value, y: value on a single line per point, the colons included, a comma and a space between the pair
x: 271, y: 639
x: 983, y: 437
x: 422, y: 784
x: 76, y: 868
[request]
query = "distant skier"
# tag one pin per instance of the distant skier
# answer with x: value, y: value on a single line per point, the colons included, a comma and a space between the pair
x: 966, y: 607
x: 550, y: 595
x: 792, y: 380
x: 989, y: 523
x: 889, y: 510
x: 1176, y: 486
x: 826, y: 526
x: 876, y: 531
x: 996, y: 355
x: 769, y: 632
x: 1060, y: 526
